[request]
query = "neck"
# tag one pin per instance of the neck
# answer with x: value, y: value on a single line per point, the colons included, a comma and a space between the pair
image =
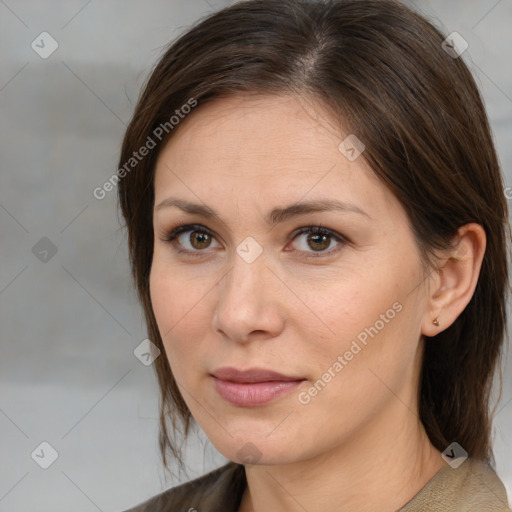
x: 380, y: 468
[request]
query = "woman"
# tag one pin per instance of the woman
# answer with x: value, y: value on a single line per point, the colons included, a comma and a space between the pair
x: 317, y: 231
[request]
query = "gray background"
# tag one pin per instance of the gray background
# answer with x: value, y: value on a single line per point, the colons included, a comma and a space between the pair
x: 68, y: 375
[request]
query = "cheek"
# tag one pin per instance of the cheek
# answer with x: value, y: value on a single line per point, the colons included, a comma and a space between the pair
x: 355, y: 380
x: 374, y: 344
x: 361, y: 307
x: 177, y: 306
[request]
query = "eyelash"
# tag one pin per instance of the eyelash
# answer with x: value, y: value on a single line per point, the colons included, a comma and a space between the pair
x: 171, y: 237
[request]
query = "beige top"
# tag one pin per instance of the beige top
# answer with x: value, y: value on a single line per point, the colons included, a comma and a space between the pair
x: 472, y: 487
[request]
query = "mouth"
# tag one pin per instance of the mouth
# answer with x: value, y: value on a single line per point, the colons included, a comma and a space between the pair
x: 253, y: 387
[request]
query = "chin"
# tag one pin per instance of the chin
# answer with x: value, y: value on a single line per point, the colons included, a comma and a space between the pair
x: 257, y: 450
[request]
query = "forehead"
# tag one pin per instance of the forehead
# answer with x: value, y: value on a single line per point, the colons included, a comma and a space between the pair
x: 275, y: 148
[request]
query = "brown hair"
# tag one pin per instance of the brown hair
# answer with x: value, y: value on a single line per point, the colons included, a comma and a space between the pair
x: 381, y: 69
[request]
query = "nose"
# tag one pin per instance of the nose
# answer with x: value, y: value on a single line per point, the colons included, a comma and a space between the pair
x: 248, y: 304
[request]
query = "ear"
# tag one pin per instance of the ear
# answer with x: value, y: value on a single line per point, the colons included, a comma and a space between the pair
x: 453, y: 286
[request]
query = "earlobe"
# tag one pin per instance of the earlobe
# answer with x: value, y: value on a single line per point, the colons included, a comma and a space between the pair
x: 458, y: 277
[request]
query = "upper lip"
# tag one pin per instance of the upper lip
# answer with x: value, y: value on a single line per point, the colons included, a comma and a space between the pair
x: 252, y: 375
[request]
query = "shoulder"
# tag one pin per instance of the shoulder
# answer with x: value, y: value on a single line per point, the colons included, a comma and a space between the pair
x: 473, y: 486
x: 220, y: 489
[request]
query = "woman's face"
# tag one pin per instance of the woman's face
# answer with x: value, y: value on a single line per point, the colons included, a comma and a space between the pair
x: 340, y: 312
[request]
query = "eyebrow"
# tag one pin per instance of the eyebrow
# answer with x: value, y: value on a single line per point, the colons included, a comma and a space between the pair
x: 276, y: 216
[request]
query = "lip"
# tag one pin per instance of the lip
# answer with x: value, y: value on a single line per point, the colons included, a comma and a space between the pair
x: 253, y: 387
x: 252, y: 375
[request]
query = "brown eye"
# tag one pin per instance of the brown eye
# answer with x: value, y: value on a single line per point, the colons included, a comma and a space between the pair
x: 190, y: 239
x: 318, y: 240
x: 200, y: 240
x: 194, y: 240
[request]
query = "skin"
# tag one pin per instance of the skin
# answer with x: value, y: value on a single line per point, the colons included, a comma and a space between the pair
x: 358, y: 445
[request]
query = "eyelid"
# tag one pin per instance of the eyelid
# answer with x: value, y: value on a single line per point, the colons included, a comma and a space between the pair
x: 171, y: 236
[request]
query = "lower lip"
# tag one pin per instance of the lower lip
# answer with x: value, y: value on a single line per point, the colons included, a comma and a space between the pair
x: 258, y: 393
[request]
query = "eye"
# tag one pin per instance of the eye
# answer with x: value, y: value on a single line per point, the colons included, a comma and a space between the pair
x: 319, y: 239
x: 199, y: 237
